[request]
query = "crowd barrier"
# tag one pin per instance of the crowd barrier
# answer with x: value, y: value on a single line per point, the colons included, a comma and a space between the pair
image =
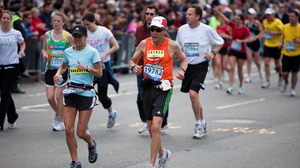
x: 35, y: 65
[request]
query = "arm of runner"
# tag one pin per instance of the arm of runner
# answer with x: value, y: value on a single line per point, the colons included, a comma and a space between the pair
x: 114, y: 48
x: 261, y: 34
x: 61, y: 70
x: 22, y: 48
x: 44, y: 50
x: 226, y: 20
x: 96, y: 71
x: 183, y: 61
x: 70, y: 40
x: 139, y: 52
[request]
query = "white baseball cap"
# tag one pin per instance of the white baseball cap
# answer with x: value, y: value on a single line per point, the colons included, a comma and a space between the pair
x: 159, y: 21
x: 252, y: 11
x: 269, y: 11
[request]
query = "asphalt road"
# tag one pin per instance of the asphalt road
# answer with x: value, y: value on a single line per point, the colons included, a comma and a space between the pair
x: 257, y: 129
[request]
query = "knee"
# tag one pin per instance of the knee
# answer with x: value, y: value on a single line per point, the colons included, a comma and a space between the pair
x: 193, y: 94
x: 69, y: 131
x: 231, y: 69
x: 81, y: 133
x: 155, y: 129
x: 50, y: 98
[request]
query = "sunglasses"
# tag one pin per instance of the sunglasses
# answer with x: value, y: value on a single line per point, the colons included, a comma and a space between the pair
x: 152, y: 14
x: 157, y: 30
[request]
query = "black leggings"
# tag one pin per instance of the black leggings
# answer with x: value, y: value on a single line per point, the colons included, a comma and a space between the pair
x: 7, y: 105
x: 103, y: 98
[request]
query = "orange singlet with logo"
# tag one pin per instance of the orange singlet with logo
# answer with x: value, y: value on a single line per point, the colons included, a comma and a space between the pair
x: 158, y: 64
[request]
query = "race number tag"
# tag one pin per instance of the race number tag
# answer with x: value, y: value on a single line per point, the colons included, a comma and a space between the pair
x: 290, y: 46
x: 191, y: 49
x: 236, y: 46
x: 56, y: 62
x: 154, y: 71
x: 268, y: 36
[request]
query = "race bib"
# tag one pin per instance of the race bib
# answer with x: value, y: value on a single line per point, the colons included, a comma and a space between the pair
x: 191, y: 49
x: 56, y: 62
x: 268, y: 36
x: 290, y: 46
x: 236, y: 46
x: 154, y: 71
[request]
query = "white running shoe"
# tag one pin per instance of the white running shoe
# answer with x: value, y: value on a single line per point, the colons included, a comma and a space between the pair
x: 284, y: 86
x: 164, y: 129
x: 293, y: 93
x: 248, y: 79
x: 112, y: 120
x: 198, y: 131
x: 261, y: 75
x: 280, y: 81
x: 13, y: 125
x: 164, y: 159
x: 241, y: 89
x: 144, y: 129
x: 219, y: 85
x: 60, y: 126
x: 55, y: 121
x: 266, y: 85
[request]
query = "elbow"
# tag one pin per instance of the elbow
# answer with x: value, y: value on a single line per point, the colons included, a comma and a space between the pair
x: 117, y: 47
x: 99, y: 74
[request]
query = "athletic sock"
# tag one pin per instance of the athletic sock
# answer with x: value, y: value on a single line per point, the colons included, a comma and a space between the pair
x: 198, y: 122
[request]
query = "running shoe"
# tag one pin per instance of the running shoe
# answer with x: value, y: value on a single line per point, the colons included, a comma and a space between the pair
x: 248, y: 79
x: 293, y: 92
x: 261, y: 74
x: 13, y: 125
x: 280, y: 81
x: 205, y: 129
x: 60, y: 126
x: 284, y: 86
x: 241, y: 89
x: 198, y: 131
x: 164, y: 129
x: 55, y: 120
x: 93, y: 154
x: 111, y: 120
x: 144, y: 129
x: 219, y: 85
x: 229, y: 90
x: 266, y: 85
x: 150, y: 166
x: 75, y: 165
x: 164, y: 159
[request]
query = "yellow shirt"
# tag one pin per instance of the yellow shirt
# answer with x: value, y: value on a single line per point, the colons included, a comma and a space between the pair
x: 288, y: 33
x: 275, y: 25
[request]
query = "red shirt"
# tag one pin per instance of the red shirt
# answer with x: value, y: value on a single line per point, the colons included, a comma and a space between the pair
x: 241, y: 33
x: 225, y: 31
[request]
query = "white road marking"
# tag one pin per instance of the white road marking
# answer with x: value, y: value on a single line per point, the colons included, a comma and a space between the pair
x: 239, y: 104
x: 35, y: 106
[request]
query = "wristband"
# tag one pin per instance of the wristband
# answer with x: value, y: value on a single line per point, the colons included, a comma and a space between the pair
x: 183, y: 69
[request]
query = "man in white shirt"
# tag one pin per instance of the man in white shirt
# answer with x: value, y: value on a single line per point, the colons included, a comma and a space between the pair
x: 195, y: 40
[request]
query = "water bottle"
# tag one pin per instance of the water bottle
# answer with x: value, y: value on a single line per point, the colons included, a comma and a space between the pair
x: 59, y: 82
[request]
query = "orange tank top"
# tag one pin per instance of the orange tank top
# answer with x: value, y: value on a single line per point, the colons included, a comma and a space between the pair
x: 158, y: 64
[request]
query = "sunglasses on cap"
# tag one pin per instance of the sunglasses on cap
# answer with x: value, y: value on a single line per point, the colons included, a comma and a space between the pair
x: 157, y: 30
x: 152, y: 14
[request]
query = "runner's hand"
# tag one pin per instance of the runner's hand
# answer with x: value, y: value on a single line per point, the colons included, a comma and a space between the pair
x: 22, y: 53
x: 138, y: 69
x: 180, y: 75
x: 209, y: 56
x: 81, y: 67
x: 279, y: 45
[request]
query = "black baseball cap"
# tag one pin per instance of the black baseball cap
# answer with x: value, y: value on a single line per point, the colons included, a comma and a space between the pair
x: 80, y: 30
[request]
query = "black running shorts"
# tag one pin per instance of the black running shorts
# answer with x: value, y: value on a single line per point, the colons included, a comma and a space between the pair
x: 81, y: 103
x: 238, y: 55
x: 273, y: 52
x: 51, y: 73
x: 290, y: 63
x: 156, y: 102
x: 194, y: 77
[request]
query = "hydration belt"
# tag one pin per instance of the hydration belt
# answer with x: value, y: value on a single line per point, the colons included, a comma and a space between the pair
x: 81, y: 86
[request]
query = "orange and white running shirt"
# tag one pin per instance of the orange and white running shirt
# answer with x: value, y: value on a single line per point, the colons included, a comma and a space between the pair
x: 158, y: 64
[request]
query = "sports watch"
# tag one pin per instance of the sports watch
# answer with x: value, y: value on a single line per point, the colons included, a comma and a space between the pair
x: 214, y: 52
x: 89, y: 68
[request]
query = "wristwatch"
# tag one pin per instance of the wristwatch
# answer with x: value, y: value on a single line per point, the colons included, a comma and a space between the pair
x: 183, y: 69
x: 89, y: 68
x: 132, y: 67
x: 214, y: 52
